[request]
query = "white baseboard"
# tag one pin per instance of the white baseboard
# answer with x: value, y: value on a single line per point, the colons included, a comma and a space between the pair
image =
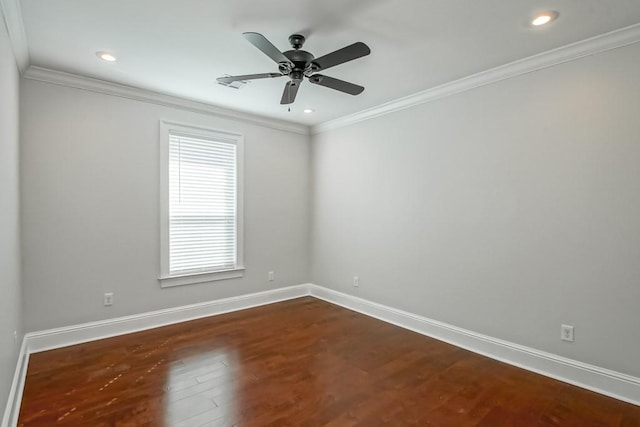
x: 610, y: 383
x: 12, y: 409
x: 77, y: 334
x: 604, y: 381
x: 34, y: 342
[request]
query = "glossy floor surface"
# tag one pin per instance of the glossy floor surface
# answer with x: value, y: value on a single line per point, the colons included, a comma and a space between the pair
x: 302, y: 362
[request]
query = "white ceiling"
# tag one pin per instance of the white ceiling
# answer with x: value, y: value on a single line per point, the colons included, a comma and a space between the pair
x: 180, y: 47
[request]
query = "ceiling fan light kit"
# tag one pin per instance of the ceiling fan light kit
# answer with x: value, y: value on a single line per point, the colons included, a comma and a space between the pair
x: 298, y: 64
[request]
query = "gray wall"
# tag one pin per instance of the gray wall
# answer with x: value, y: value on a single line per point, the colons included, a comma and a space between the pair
x: 90, y: 207
x: 10, y: 293
x: 507, y: 210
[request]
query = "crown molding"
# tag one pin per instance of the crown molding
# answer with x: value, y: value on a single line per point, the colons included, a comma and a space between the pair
x: 15, y: 28
x: 143, y: 95
x: 591, y: 46
x: 601, y: 43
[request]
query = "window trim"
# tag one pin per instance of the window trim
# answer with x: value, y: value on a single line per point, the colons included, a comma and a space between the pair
x: 166, y: 279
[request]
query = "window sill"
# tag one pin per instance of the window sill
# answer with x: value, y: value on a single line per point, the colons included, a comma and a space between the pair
x: 189, y: 279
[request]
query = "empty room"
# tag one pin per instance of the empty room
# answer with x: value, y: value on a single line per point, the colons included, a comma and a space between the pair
x: 336, y: 213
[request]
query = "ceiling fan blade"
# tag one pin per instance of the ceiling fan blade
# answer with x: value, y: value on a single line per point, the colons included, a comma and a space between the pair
x: 336, y: 84
x: 340, y: 56
x: 230, y: 79
x: 261, y: 42
x: 290, y: 92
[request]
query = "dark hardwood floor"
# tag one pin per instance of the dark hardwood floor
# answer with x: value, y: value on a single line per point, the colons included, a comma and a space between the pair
x: 297, y: 363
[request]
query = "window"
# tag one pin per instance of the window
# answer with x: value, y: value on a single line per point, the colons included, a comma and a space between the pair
x: 201, y: 205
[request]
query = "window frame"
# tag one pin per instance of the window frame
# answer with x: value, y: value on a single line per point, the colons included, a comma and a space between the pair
x: 166, y: 279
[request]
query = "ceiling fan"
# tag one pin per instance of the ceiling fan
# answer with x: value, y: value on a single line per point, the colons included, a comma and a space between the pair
x: 297, y: 64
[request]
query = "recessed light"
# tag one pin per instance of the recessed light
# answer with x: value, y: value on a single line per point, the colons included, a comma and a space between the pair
x: 308, y: 110
x: 106, y: 56
x: 544, y: 18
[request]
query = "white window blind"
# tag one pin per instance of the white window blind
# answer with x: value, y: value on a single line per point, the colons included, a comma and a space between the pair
x: 203, y: 227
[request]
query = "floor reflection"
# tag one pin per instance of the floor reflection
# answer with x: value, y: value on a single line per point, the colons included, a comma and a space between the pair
x: 201, y: 389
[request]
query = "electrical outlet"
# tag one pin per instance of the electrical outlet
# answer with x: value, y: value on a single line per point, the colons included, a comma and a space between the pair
x: 271, y: 276
x: 566, y: 333
x: 108, y: 299
x: 356, y: 281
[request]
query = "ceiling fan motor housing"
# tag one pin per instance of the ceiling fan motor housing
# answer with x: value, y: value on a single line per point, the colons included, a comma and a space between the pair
x: 301, y: 60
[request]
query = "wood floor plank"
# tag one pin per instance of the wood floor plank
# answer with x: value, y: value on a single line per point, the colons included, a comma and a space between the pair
x: 302, y: 362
